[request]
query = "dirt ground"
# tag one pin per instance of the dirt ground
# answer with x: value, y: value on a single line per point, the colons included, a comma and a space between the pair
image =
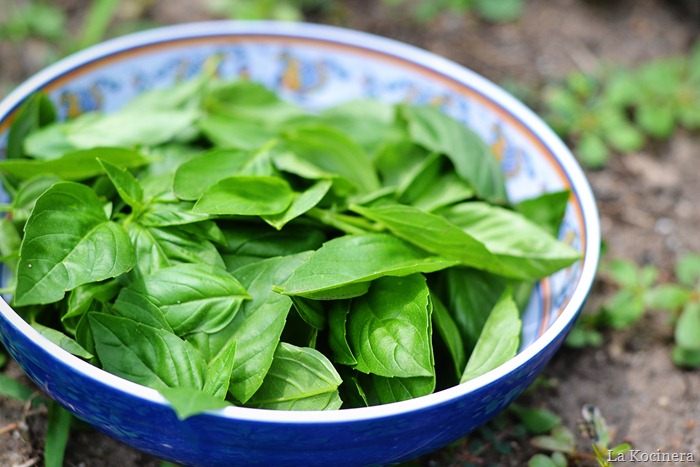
x: 646, y: 200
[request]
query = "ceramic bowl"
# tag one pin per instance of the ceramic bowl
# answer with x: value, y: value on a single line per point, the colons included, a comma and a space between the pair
x: 315, y: 66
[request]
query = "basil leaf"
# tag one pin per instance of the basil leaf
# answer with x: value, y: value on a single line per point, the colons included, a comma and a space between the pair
x: 546, y: 210
x: 134, y: 305
x: 62, y: 238
x: 250, y: 101
x: 130, y: 128
x: 343, y: 267
x: 301, y: 203
x: 194, y: 176
x: 311, y: 312
x: 219, y: 372
x: 82, y: 298
x: 28, y: 192
x: 499, y: 340
x: 337, y: 332
x: 444, y: 191
x: 187, y: 401
x: 429, y: 232
x: 193, y: 297
x: 74, y: 165
x: 63, y: 341
x: 449, y: 332
x: 153, y: 357
x: 162, y: 214
x: 234, y: 132
x: 299, y: 378
x: 247, y: 242
x: 37, y: 111
x: 472, y: 159
x: 382, y: 390
x: 127, y: 186
x: 258, y: 325
x: 530, y: 254
x: 370, y: 122
x: 246, y: 195
x: 181, y: 244
x: 334, y: 152
x: 389, y: 328
x: 399, y: 162
x: 469, y: 305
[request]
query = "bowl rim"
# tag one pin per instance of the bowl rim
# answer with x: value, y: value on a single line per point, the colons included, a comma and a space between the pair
x: 387, y: 47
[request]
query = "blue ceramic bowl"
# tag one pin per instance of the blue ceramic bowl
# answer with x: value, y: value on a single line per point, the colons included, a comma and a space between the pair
x: 315, y: 66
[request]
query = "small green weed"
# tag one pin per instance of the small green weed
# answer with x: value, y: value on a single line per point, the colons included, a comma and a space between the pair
x: 624, y: 307
x: 620, y: 110
x: 682, y: 300
x: 501, y: 11
x: 638, y: 291
x: 284, y: 10
x: 561, y: 442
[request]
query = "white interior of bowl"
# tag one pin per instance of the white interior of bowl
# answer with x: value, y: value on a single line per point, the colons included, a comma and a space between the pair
x: 537, y: 159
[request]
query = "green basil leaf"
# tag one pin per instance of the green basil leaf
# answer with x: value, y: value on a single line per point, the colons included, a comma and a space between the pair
x: 235, y: 132
x: 127, y: 128
x: 389, y: 328
x: 82, y: 298
x: 181, y: 244
x: 449, y: 332
x: 337, y: 332
x: 343, y: 267
x: 150, y: 255
x: 61, y: 242
x: 311, y: 311
x: 134, y: 305
x: 530, y: 254
x: 169, y: 213
x: 334, y: 152
x: 149, y: 356
x: 301, y: 203
x: 194, y: 176
x: 382, y: 390
x: 469, y: 295
x: 74, y: 165
x: 193, y: 297
x: 247, y: 196
x: 219, y: 372
x: 250, y: 101
x: 400, y: 161
x: 444, y: 191
x: 127, y: 186
x: 248, y: 242
x: 63, y: 341
x: 37, y: 111
x: 471, y: 157
x: 10, y: 243
x: 187, y: 401
x: 299, y: 378
x: 546, y: 210
x: 28, y: 192
x: 429, y: 232
x: 258, y: 325
x: 499, y: 340
x: 369, y: 122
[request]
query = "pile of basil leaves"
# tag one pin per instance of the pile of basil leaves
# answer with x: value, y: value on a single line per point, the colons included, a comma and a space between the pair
x: 223, y: 246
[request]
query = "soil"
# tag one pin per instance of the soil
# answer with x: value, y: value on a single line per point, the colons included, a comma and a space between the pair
x: 646, y: 201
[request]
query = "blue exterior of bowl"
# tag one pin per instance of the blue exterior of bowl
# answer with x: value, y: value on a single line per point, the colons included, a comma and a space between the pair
x: 382, y: 435
x: 213, y: 440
